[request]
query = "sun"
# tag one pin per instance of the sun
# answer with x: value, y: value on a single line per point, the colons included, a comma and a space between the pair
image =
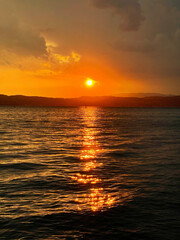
x: 89, y: 82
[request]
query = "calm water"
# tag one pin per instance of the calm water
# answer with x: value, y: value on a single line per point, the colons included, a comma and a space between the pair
x: 89, y: 173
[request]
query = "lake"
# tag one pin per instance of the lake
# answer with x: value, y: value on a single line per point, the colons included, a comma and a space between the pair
x: 89, y: 173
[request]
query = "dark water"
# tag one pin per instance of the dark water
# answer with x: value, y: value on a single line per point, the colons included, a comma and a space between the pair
x: 89, y: 173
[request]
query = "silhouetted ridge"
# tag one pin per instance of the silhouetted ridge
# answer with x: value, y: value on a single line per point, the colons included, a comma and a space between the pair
x: 154, y: 101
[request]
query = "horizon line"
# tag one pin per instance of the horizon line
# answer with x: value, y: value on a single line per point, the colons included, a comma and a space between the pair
x: 141, y: 95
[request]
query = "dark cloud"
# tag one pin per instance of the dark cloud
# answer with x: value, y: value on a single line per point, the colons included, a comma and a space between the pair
x: 18, y: 37
x: 174, y: 3
x: 135, y: 46
x: 129, y: 10
x: 22, y: 41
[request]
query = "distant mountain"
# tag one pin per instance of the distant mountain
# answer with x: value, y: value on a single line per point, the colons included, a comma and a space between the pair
x: 152, y: 101
x: 142, y: 95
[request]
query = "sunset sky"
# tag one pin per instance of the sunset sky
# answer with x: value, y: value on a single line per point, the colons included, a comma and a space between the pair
x: 51, y: 47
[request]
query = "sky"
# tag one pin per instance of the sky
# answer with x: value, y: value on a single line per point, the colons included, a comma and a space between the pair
x: 51, y: 47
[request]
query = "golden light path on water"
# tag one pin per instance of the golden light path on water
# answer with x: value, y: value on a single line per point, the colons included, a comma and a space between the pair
x: 96, y: 199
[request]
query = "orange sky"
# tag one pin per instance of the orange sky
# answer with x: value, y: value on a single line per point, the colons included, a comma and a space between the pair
x: 44, y: 77
x: 123, y: 47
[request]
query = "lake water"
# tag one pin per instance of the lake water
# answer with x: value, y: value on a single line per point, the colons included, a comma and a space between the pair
x: 89, y: 173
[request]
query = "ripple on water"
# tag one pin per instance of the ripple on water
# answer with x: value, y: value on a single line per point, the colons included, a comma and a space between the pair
x: 89, y: 173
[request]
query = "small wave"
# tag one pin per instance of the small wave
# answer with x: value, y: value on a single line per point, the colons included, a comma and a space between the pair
x: 64, y: 225
x: 47, y: 152
x: 119, y: 154
x: 3, y: 132
x: 13, y: 156
x: 18, y: 144
x: 21, y: 166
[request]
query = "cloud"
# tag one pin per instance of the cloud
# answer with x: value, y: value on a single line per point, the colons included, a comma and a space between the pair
x: 18, y: 37
x: 133, y: 45
x: 156, y: 46
x: 148, y: 47
x: 59, y: 59
x: 129, y: 10
x: 21, y: 40
x: 174, y: 3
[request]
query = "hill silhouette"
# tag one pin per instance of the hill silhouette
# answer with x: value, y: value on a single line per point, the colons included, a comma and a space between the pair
x: 152, y: 101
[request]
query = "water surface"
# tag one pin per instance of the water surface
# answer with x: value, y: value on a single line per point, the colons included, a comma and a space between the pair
x: 89, y: 173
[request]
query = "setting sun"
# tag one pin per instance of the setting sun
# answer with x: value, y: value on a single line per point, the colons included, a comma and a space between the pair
x: 89, y: 82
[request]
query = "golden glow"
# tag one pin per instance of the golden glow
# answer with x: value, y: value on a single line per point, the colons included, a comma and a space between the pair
x: 62, y: 75
x: 84, y: 178
x: 89, y: 82
x: 91, y: 165
x: 96, y: 198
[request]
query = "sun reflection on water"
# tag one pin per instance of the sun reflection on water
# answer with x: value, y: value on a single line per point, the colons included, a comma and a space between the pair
x: 84, y: 178
x: 95, y: 198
